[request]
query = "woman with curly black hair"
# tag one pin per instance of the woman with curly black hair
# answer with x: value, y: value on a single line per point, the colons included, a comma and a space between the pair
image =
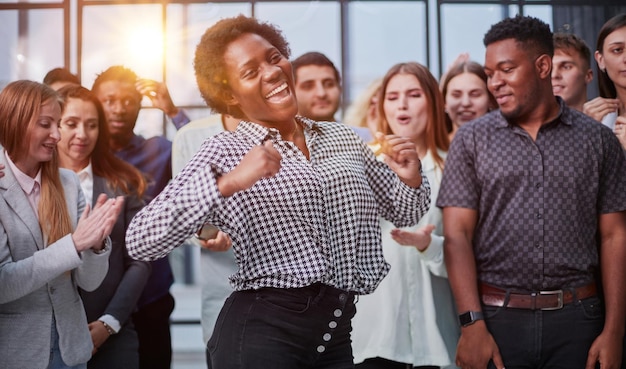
x: 300, y: 200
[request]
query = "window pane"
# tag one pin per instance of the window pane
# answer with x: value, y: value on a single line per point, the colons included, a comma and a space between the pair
x: 31, y: 43
x: 31, y: 1
x: 129, y: 35
x: 461, y: 33
x: 381, y: 34
x: 307, y: 26
x: 185, y: 26
x: 543, y: 12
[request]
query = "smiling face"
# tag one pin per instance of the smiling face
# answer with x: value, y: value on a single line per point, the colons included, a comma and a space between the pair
x: 318, y: 92
x: 406, y: 107
x: 613, y: 58
x: 512, y: 78
x: 467, y: 98
x: 79, y: 133
x: 570, y: 76
x: 260, y: 80
x: 43, y: 136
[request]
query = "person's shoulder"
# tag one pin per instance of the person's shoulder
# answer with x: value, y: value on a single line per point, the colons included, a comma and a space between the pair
x: 582, y: 121
x: 158, y: 141
x: 491, y: 120
x: 67, y: 174
x: 586, y: 129
x: 68, y: 177
x: 197, y: 126
x: 337, y: 129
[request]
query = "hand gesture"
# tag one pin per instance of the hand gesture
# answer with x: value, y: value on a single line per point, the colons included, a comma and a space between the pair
x: 262, y: 161
x: 420, y: 239
x: 221, y: 242
x: 476, y: 347
x: 99, y: 334
x: 599, y: 107
x: 95, y: 225
x: 606, y: 350
x: 401, y: 156
x: 158, y: 94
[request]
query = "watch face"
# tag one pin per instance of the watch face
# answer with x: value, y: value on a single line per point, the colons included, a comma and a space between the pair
x: 470, y: 317
x: 465, y: 318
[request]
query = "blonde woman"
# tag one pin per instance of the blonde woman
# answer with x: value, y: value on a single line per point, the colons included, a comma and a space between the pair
x: 51, y: 243
x: 362, y: 112
x: 414, y: 301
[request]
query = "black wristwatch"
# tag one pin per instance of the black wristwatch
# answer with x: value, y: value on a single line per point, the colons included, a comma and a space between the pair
x: 470, y: 317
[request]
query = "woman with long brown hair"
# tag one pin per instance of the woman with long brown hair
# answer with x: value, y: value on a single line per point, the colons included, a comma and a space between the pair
x: 51, y: 243
x: 84, y: 148
x: 414, y: 300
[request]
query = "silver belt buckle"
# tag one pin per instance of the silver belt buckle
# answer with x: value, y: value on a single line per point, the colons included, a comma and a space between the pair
x: 559, y: 298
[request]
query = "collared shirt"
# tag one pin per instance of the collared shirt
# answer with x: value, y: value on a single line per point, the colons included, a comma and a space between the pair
x: 538, y: 202
x: 316, y: 220
x: 30, y: 186
x: 86, y: 182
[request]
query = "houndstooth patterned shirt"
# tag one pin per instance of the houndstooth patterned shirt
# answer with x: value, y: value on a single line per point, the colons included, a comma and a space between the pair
x: 317, y: 220
x: 538, y: 202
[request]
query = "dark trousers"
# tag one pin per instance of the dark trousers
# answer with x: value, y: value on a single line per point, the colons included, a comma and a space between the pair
x: 380, y: 363
x: 280, y: 328
x: 546, y: 338
x: 152, y: 323
x: 120, y: 351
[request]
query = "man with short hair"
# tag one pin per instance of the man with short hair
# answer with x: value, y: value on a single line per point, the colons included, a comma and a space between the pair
x: 318, y: 89
x: 571, y: 70
x: 534, y: 209
x: 318, y: 86
x: 120, y: 91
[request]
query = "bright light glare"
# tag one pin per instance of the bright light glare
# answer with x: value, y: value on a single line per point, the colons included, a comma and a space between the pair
x: 145, y: 46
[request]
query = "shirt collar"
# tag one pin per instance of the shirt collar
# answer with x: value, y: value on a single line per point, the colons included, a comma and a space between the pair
x: 563, y: 116
x: 259, y: 133
x: 25, y: 181
x: 86, y: 172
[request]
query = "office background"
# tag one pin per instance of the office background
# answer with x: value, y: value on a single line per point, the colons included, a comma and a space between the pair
x: 157, y: 39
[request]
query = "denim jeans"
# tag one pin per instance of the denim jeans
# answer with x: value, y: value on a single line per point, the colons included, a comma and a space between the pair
x: 286, y: 328
x: 56, y: 362
x: 546, y: 338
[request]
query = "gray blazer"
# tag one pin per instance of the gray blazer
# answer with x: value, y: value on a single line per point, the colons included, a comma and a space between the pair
x: 34, y: 283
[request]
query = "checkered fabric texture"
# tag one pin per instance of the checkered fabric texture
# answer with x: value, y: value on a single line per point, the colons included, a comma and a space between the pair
x: 538, y: 202
x: 315, y: 221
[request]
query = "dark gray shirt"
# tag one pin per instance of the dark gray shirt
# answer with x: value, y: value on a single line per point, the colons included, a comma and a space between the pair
x: 538, y: 202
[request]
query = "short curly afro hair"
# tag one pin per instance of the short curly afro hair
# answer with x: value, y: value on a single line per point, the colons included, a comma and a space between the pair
x: 532, y: 33
x: 209, y: 63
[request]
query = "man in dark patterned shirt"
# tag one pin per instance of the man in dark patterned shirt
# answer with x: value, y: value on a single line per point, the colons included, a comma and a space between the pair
x: 532, y: 197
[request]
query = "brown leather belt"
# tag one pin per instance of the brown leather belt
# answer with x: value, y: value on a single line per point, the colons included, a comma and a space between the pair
x: 541, y: 300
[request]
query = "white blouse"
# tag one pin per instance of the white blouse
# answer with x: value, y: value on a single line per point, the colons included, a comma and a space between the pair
x: 411, y: 316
